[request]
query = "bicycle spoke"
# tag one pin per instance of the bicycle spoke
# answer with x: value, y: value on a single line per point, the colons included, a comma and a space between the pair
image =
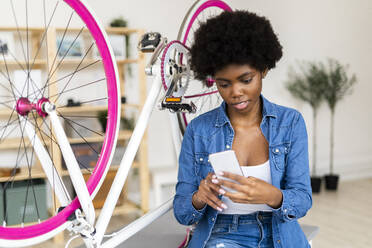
x: 10, y: 83
x: 8, y: 123
x: 2, y: 139
x: 81, y: 116
x: 29, y: 166
x: 77, y: 87
x: 44, y: 36
x: 7, y: 75
x: 21, y: 67
x: 77, y: 67
x: 67, y: 51
x: 86, y: 142
x: 45, y: 145
x: 69, y: 120
x: 59, y: 48
x: 90, y: 101
x: 18, y: 31
x: 66, y: 76
x: 27, y: 48
x: 54, y: 52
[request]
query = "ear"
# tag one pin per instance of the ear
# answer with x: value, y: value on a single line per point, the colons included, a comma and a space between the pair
x: 264, y: 73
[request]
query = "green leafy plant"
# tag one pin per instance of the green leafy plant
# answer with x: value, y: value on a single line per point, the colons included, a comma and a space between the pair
x: 339, y: 85
x: 127, y: 123
x: 102, y: 118
x: 309, y: 85
x: 121, y: 22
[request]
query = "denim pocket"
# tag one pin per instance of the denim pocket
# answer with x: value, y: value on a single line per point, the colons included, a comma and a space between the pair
x: 203, y: 167
x: 279, y: 154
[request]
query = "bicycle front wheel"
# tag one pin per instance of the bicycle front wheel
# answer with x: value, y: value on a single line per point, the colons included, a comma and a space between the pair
x: 204, y: 95
x: 53, y: 51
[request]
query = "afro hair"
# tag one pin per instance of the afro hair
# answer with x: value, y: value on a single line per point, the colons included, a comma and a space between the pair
x: 237, y: 37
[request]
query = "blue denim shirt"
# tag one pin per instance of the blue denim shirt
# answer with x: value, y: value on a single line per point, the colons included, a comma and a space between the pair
x: 284, y: 129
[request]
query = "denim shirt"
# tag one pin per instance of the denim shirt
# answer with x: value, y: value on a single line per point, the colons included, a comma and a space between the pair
x: 284, y: 129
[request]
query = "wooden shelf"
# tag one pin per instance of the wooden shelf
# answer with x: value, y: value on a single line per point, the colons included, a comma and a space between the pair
x: 30, y: 29
x: 5, y: 113
x: 109, y: 30
x: 81, y: 109
x: 123, y: 135
x: 134, y: 165
x: 76, y: 61
x: 13, y: 143
x: 66, y: 62
x: 37, y: 172
x: 13, y: 63
x: 48, y: 54
x: 24, y: 174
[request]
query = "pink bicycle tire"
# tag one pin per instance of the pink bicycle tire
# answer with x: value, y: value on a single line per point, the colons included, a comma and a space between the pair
x: 32, y: 231
x: 183, y: 37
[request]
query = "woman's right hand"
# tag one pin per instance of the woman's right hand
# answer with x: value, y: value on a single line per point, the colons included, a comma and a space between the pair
x: 208, y: 194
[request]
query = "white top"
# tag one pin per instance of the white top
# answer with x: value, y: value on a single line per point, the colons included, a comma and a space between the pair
x: 262, y: 172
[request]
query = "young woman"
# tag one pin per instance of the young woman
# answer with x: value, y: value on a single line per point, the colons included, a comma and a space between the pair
x: 237, y: 49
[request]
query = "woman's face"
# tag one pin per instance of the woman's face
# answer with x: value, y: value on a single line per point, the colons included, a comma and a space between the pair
x: 240, y: 87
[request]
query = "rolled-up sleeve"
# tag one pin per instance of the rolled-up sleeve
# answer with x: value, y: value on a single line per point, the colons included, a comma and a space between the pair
x: 297, y: 195
x: 187, y: 183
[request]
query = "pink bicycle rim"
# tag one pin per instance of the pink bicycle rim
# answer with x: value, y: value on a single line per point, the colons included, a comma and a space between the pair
x: 210, y: 3
x: 52, y: 223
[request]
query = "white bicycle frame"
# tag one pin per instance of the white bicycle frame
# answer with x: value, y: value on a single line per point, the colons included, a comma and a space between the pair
x: 95, y: 239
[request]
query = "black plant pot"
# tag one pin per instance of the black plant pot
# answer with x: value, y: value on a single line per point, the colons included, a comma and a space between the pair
x: 316, y: 182
x: 331, y: 181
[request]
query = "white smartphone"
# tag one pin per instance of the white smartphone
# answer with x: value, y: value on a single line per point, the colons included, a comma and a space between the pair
x: 225, y: 161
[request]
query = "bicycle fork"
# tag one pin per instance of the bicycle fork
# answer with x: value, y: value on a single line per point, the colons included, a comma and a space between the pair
x: 70, y: 161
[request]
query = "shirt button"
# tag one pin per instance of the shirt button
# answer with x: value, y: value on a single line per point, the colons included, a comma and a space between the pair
x: 212, y: 219
x: 193, y: 215
x: 285, y: 210
x: 201, y: 159
x: 276, y: 150
x: 227, y: 146
x: 278, y: 241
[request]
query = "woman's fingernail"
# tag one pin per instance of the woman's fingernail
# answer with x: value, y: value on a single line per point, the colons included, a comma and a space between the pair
x: 219, y: 209
x: 214, y: 181
x: 223, y: 205
x: 221, y: 191
x: 220, y: 173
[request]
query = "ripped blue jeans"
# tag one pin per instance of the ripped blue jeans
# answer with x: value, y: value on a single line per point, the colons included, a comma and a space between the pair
x: 238, y: 231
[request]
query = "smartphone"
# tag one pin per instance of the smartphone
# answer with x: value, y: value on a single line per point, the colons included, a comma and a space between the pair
x: 225, y: 161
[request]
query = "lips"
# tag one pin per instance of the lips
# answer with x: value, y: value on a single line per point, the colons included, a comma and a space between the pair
x: 240, y: 105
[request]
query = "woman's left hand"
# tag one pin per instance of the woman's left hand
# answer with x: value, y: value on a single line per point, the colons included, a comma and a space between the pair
x: 251, y: 190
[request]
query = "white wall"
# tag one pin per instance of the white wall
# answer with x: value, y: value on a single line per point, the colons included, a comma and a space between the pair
x: 308, y: 30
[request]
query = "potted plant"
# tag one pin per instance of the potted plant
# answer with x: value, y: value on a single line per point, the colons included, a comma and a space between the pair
x: 309, y: 86
x: 127, y: 123
x: 339, y: 85
x: 121, y: 22
x: 102, y: 118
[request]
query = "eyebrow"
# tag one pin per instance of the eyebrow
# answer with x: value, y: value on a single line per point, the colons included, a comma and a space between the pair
x: 239, y: 77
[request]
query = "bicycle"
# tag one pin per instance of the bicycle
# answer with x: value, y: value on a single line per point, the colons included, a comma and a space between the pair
x: 37, y: 110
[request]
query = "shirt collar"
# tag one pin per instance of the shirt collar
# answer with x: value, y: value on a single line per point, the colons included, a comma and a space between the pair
x: 268, y: 109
